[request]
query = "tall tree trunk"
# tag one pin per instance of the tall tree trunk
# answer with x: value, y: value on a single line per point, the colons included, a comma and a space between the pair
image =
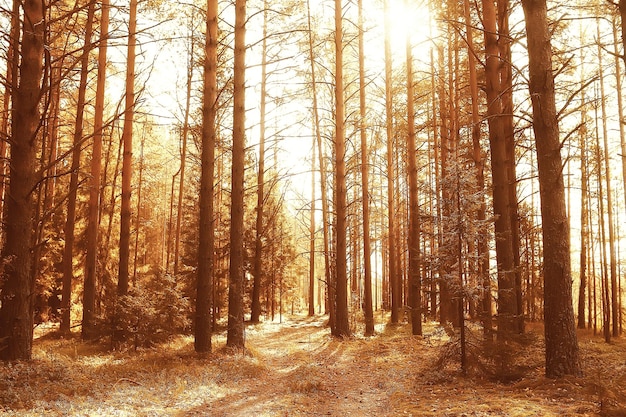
x: 562, y: 355
x: 415, y: 279
x: 617, y: 330
x: 68, y: 250
x: 367, y: 265
x: 235, y: 335
x: 11, y: 71
x: 127, y: 160
x: 183, y: 155
x: 622, y: 14
x: 484, y: 280
x: 206, y: 244
x: 322, y: 167
x: 584, y: 215
x: 93, y: 220
x: 394, y: 280
x: 311, y: 295
x: 16, y: 293
x: 609, y: 197
x: 342, y: 327
x: 508, y: 126
x: 139, y: 203
x: 606, y: 305
x: 255, y: 315
x: 507, y: 302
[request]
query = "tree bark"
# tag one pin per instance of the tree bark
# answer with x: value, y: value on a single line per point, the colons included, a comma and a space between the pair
x: 17, y: 292
x: 322, y: 161
x: 507, y: 294
x: 508, y: 127
x: 127, y: 159
x: 206, y: 245
x: 255, y: 315
x: 68, y: 250
x: 394, y: 280
x: 11, y: 71
x: 89, y: 284
x: 367, y: 250
x: 484, y: 281
x: 562, y: 355
x: 235, y: 335
x: 415, y: 279
x: 342, y: 327
x: 183, y: 156
x: 584, y: 214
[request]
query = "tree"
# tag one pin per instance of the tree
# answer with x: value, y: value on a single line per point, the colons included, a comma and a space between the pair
x: 68, y: 252
x: 367, y: 267
x: 91, y: 262
x: 479, y: 165
x: 342, y: 327
x: 11, y: 70
x: 562, y: 356
x: 206, y: 241
x: 127, y: 167
x: 255, y: 314
x: 394, y: 279
x: 322, y: 167
x: 584, y: 214
x: 16, y: 293
x: 507, y: 302
x: 415, y: 282
x: 235, y: 336
x: 127, y: 160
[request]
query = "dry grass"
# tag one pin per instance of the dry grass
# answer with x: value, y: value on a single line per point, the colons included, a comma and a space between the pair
x: 297, y: 369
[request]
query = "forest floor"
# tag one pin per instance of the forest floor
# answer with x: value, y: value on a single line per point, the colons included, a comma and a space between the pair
x: 296, y: 368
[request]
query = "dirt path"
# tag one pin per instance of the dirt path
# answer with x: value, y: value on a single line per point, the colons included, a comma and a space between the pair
x: 305, y: 372
x: 297, y: 369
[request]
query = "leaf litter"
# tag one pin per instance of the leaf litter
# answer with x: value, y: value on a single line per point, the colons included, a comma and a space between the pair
x: 296, y: 368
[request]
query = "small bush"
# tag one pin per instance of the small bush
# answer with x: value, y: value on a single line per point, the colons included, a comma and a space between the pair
x: 151, y: 312
x: 498, y: 360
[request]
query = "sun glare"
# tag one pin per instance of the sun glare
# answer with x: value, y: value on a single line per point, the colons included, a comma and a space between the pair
x: 408, y: 19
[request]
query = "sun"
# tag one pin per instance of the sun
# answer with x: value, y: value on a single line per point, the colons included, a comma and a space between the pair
x: 408, y: 20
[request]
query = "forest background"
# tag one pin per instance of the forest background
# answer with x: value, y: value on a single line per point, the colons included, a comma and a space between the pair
x: 178, y: 167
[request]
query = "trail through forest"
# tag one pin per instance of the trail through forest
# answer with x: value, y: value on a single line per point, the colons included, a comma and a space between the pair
x: 296, y: 368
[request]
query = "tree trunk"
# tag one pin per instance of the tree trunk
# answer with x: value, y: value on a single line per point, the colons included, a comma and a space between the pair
x: 415, y: 281
x: 255, y: 315
x: 584, y: 214
x: 235, y: 335
x: 507, y: 295
x: 127, y: 160
x: 506, y: 88
x: 16, y: 294
x: 367, y: 250
x: 562, y: 355
x: 609, y: 197
x: 342, y: 328
x: 311, y: 295
x: 89, y: 284
x: 204, y: 299
x: 484, y: 280
x: 394, y: 280
x: 68, y: 250
x: 139, y: 203
x: 606, y: 304
x: 622, y: 14
x: 322, y: 160
x: 11, y: 71
x: 183, y: 156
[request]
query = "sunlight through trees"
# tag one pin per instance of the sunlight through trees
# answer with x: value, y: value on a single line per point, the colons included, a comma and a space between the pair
x: 206, y: 167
